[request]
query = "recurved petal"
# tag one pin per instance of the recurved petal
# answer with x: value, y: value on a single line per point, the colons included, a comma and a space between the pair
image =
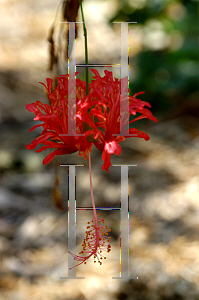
x: 107, y: 162
x: 35, y: 126
x: 112, y: 147
x: 133, y: 132
x: 49, y: 85
x: 31, y: 107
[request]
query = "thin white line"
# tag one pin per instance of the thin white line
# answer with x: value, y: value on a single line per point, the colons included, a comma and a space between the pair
x: 70, y: 165
x: 125, y: 165
x: 126, y: 22
x: 90, y: 65
x: 98, y: 208
x: 70, y: 22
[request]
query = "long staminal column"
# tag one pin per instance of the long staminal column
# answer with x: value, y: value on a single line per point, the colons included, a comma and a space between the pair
x: 96, y: 235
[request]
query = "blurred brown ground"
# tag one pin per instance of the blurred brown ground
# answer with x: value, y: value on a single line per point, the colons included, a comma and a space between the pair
x: 164, y: 187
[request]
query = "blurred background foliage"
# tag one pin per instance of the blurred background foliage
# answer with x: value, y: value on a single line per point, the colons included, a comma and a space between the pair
x: 167, y: 65
x: 164, y: 188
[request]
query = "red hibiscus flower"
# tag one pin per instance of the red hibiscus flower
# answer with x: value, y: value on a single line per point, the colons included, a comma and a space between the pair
x: 105, y: 97
x: 55, y: 120
x: 100, y: 110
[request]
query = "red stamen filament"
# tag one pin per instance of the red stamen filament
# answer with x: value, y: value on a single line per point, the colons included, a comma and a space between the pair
x: 96, y: 235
